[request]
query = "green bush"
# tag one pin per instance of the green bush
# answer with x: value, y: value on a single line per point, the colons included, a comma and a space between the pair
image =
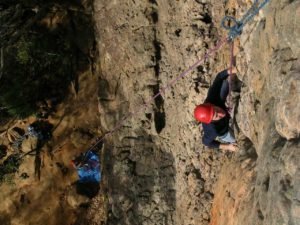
x: 8, y: 168
x: 23, y: 51
x: 40, y: 59
x: 39, y: 68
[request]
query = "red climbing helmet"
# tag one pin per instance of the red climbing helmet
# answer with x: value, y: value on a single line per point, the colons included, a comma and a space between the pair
x: 204, y: 113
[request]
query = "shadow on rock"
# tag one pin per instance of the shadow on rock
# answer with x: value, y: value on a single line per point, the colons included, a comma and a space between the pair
x: 88, y: 189
x: 140, y: 182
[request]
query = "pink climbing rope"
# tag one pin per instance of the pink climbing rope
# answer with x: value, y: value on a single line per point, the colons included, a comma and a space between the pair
x: 200, y: 61
x: 230, y: 77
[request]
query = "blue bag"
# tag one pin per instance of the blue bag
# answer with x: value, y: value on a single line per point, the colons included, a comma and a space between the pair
x: 89, y: 168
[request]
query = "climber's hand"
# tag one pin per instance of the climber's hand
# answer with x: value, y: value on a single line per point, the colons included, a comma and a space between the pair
x: 232, y: 147
x: 233, y: 70
x: 229, y: 147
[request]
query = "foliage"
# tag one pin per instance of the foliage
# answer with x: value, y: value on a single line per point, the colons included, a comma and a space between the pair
x: 23, y: 53
x: 9, y: 179
x: 39, y: 68
x: 8, y: 168
x: 45, y: 46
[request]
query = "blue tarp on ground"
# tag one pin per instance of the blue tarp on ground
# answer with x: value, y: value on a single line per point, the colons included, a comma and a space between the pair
x: 90, y: 170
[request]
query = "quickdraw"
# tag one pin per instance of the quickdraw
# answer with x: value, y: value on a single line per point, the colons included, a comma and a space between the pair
x: 237, y: 27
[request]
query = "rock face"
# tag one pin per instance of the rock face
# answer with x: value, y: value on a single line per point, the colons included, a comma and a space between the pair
x: 29, y: 144
x: 158, y: 170
x: 266, y: 189
x: 155, y: 169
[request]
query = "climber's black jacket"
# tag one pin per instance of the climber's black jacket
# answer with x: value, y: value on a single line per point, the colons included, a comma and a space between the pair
x: 217, y: 94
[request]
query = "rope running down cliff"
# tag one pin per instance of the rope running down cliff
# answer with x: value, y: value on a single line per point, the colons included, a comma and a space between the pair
x: 234, y: 31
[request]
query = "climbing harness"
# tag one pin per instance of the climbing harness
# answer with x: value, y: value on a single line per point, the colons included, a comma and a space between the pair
x: 237, y: 27
x: 234, y: 31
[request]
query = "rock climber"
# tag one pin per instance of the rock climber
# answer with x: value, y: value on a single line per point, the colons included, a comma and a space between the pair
x: 214, y: 116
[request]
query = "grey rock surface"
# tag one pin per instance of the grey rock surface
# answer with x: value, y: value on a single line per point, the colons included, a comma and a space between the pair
x: 268, y: 114
x: 158, y: 171
x: 157, y: 161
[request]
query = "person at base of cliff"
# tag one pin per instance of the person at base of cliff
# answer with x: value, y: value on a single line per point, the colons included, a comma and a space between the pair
x: 214, y: 116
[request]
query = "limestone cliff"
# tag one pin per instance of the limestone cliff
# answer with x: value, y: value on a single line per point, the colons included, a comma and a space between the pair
x: 159, y: 172
x: 155, y: 167
x: 265, y: 189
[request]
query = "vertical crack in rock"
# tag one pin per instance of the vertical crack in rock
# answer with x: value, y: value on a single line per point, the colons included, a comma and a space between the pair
x: 157, y: 49
x: 159, y: 113
x: 154, y: 16
x: 266, y: 183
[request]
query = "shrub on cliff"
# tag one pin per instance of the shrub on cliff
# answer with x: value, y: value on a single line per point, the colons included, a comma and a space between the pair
x: 38, y: 67
x: 9, y: 167
x: 40, y: 59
